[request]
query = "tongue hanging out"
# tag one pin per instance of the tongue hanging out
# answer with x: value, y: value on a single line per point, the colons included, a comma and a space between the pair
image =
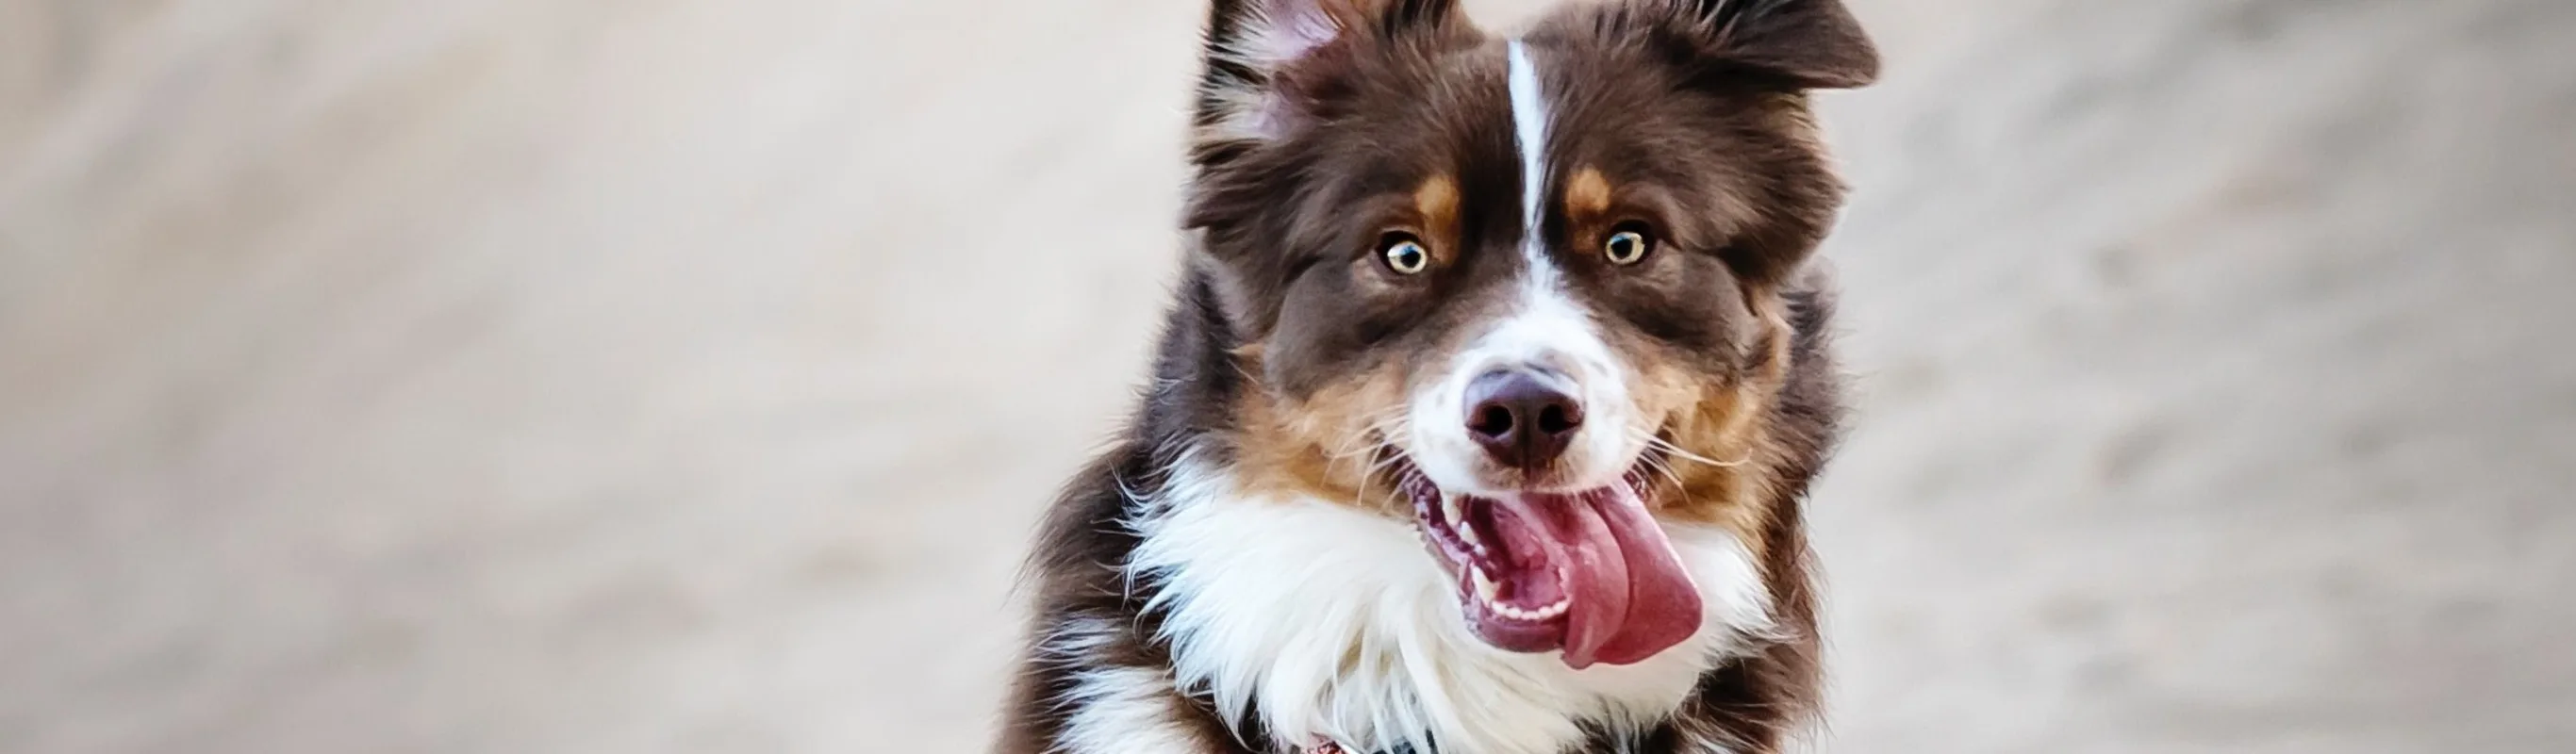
x: 1589, y: 573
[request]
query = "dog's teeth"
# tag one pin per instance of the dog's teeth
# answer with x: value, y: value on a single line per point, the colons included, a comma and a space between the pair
x: 1456, y: 510
x: 1550, y: 611
x: 1486, y: 589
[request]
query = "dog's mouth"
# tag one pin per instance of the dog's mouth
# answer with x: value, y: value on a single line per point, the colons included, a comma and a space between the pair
x: 1588, y: 572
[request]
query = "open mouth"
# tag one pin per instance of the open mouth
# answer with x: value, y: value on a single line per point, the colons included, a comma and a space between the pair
x: 1587, y: 572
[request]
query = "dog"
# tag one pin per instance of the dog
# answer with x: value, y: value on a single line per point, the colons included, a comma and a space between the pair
x: 1482, y: 421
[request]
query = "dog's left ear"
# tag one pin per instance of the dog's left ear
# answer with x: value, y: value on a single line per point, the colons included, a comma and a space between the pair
x: 1270, y: 62
x: 1806, y: 44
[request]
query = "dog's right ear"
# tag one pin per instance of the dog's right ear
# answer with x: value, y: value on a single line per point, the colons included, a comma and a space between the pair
x: 1270, y: 62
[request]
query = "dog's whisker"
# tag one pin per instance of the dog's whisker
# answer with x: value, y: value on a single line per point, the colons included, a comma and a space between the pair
x: 1665, y: 467
x: 1662, y: 467
x: 1367, y: 442
x: 1668, y: 447
x: 1372, y: 437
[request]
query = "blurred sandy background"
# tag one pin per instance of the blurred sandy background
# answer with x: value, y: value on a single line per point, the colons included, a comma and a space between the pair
x: 677, y: 376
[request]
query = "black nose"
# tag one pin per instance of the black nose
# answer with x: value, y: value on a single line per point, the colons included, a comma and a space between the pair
x: 1524, y: 417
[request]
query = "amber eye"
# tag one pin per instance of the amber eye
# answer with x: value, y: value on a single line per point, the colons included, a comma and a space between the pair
x: 1627, y: 246
x: 1404, y: 254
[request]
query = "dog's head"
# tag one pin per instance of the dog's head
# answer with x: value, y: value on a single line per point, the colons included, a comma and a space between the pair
x: 1526, y: 291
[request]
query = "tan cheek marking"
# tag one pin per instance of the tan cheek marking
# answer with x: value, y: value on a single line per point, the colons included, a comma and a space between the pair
x: 1727, y: 424
x: 1738, y: 495
x: 1587, y: 196
x: 1436, y: 203
x: 1319, y: 447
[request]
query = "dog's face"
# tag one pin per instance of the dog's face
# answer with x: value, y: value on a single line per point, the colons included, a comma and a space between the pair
x: 1521, y: 291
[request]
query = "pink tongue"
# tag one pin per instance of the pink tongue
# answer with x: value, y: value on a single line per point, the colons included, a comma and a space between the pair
x: 1628, y: 597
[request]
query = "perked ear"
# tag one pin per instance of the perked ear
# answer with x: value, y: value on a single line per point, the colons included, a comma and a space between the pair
x: 1256, y: 49
x: 1811, y: 44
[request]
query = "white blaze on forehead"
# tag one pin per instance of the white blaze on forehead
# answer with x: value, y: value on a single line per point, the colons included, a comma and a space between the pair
x: 1529, y: 129
x: 1549, y: 326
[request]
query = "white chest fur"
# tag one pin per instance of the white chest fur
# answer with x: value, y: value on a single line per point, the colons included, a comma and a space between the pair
x: 1342, y: 628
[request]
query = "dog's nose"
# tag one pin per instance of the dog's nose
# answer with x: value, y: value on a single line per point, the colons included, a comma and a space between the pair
x: 1525, y: 418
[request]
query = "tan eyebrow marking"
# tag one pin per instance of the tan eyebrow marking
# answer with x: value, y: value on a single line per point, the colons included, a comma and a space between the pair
x: 1436, y: 204
x: 1588, y: 195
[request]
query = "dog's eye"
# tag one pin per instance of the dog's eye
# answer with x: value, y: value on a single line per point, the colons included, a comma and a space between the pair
x: 1627, y: 246
x: 1404, y: 254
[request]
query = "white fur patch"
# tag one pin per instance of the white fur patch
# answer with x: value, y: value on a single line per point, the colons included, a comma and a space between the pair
x: 1529, y: 130
x: 1342, y: 627
x: 1116, y: 709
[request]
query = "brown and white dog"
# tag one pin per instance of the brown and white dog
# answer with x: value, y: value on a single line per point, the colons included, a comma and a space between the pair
x: 1483, y: 420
